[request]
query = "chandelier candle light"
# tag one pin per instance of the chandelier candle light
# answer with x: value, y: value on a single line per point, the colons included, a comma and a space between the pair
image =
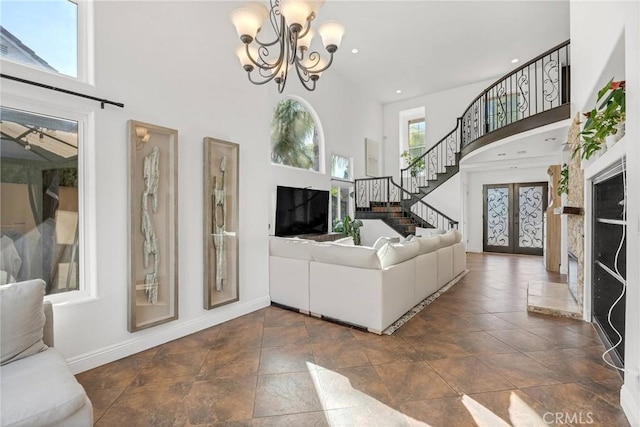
x: 291, y: 23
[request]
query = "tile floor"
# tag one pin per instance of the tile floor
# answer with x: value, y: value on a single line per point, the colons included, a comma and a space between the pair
x: 473, y: 357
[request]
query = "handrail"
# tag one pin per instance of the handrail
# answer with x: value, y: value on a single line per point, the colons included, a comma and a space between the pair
x: 451, y: 221
x: 508, y: 100
x: 385, y: 190
x: 513, y: 72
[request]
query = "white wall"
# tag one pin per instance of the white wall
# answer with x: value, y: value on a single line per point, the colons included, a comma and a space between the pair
x: 595, y: 29
x: 441, y: 112
x: 170, y: 69
x: 374, y: 228
x: 475, y: 180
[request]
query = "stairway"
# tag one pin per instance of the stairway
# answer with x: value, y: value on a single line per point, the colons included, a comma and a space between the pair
x: 541, y: 98
x: 391, y: 214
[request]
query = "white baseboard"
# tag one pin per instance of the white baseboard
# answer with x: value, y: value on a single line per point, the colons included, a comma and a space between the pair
x: 630, y: 405
x: 472, y: 248
x: 134, y: 345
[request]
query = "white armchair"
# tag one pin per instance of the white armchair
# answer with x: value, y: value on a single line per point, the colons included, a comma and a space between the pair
x: 36, y: 386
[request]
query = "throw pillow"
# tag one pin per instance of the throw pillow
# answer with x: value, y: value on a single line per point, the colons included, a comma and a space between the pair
x: 408, y: 239
x: 384, y: 240
x: 21, y: 320
x: 395, y: 253
x: 429, y: 232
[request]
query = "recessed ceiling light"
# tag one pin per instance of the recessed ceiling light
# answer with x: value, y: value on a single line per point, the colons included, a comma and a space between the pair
x: 514, y: 60
x: 398, y: 91
x: 502, y: 154
x: 549, y: 139
x: 354, y: 50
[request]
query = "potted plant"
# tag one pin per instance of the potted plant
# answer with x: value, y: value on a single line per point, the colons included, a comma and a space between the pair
x: 349, y: 227
x: 416, y: 167
x: 603, y: 120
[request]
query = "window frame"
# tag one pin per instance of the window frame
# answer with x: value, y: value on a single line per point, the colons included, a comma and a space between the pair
x: 340, y: 184
x: 85, y: 56
x: 350, y: 168
x: 87, y: 262
x: 404, y: 117
x: 424, y: 141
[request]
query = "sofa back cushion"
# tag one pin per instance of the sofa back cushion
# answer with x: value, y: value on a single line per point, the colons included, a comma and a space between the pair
x: 352, y: 256
x: 21, y: 320
x: 290, y: 248
x: 447, y: 239
x: 348, y: 241
x: 395, y: 253
x: 428, y: 244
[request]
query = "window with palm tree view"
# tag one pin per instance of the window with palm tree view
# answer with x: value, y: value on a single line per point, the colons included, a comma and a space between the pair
x: 295, y: 140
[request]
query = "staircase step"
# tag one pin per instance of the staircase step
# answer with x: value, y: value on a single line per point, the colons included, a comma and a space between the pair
x: 386, y: 209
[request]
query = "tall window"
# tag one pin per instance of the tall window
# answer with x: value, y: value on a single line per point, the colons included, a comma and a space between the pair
x: 417, y: 142
x: 41, y: 34
x: 39, y: 197
x: 341, y: 187
x: 295, y: 139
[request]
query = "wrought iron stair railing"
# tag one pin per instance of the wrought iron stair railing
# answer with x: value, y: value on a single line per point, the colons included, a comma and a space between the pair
x: 511, y: 105
x: 535, y: 94
x: 382, y: 198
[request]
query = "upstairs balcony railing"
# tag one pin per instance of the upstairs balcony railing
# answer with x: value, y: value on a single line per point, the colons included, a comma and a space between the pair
x: 535, y: 94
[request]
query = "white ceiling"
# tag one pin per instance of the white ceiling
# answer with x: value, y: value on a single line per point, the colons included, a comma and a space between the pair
x: 422, y: 47
x: 539, y: 143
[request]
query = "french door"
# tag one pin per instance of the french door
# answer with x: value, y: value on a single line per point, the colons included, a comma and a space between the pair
x: 513, y: 217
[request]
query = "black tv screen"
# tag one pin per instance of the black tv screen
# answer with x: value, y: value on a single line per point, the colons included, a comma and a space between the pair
x: 301, y: 211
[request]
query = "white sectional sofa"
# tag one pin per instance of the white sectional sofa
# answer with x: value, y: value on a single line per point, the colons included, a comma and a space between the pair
x: 363, y: 286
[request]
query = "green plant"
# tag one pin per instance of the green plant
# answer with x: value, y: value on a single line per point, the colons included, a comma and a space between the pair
x: 563, y: 182
x: 602, y: 120
x: 349, y: 227
x: 416, y: 163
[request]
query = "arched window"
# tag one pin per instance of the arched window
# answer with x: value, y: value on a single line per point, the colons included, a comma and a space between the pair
x: 295, y: 136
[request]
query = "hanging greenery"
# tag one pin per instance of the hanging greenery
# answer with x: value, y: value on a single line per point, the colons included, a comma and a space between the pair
x: 563, y: 182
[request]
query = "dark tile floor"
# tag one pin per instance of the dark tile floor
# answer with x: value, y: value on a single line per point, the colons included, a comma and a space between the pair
x: 473, y: 357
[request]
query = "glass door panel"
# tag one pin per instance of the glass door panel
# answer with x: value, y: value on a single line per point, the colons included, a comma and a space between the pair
x: 513, y: 218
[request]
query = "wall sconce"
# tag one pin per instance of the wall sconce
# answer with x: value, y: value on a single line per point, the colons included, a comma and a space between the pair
x: 142, y: 134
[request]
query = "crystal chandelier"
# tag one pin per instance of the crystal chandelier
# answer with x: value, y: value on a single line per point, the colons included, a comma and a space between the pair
x: 289, y: 50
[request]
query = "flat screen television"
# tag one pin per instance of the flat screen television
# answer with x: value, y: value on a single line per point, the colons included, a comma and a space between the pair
x: 301, y: 211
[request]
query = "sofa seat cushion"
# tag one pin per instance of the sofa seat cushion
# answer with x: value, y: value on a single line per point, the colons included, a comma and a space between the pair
x: 395, y: 253
x: 290, y: 248
x: 39, y: 390
x: 351, y: 256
